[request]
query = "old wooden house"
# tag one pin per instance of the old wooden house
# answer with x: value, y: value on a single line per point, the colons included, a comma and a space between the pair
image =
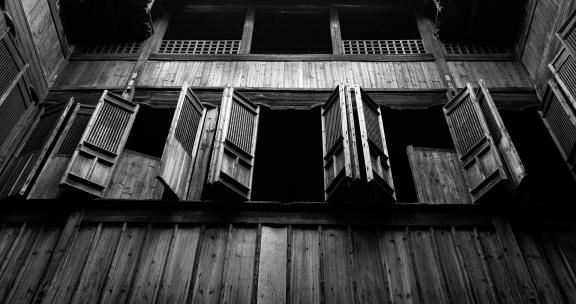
x: 187, y: 151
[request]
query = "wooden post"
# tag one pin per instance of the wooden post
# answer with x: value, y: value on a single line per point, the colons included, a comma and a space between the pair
x: 246, y: 42
x: 337, y: 47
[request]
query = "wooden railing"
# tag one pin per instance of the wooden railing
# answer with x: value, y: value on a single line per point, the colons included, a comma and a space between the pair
x: 383, y: 47
x: 463, y: 48
x: 110, y: 48
x: 199, y: 47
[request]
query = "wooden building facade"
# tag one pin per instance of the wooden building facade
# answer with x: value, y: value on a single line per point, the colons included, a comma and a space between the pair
x: 179, y: 151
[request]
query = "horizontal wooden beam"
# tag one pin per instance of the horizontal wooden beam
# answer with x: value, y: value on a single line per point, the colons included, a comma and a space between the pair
x: 293, y: 57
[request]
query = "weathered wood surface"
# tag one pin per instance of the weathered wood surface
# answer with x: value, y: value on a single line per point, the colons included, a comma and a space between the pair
x: 438, y: 176
x: 95, y: 74
x: 496, y: 74
x: 135, y: 177
x: 167, y: 263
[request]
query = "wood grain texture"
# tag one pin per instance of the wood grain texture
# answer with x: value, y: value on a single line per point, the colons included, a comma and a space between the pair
x: 135, y: 177
x: 504, y: 74
x: 273, y: 264
x: 94, y: 74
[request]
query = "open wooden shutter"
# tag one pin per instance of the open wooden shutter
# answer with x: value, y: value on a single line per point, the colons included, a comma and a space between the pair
x: 560, y: 119
x: 46, y: 185
x: 234, y: 150
x: 567, y: 33
x: 23, y: 168
x: 482, y: 166
x: 341, y: 168
x: 93, y: 162
x: 182, y: 143
x: 511, y: 159
x: 373, y: 144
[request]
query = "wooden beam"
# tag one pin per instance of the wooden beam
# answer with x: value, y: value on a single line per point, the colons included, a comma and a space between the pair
x: 55, y: 12
x: 335, y: 32
x: 247, y: 33
x: 296, y: 57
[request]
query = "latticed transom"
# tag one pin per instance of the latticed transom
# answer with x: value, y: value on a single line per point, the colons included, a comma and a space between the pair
x: 462, y: 48
x: 383, y: 47
x: 74, y: 134
x: 109, y: 127
x: 199, y: 47
x: 559, y: 121
x: 567, y: 72
x: 333, y: 124
x: 110, y: 48
x: 241, y: 130
x: 188, y: 126
x: 466, y: 125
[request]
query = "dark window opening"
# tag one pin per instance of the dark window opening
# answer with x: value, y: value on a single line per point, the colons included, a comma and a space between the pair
x: 150, y: 130
x: 420, y: 128
x: 548, y: 177
x: 206, y: 26
x: 290, y: 32
x: 378, y: 25
x: 288, y: 164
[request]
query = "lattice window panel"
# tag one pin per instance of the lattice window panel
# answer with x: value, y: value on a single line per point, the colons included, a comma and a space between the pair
x: 383, y: 47
x: 200, y: 47
x: 457, y: 48
x: 110, y: 48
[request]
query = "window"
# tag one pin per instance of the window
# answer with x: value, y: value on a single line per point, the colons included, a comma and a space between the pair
x: 289, y: 150
x: 204, y: 33
x: 146, y: 137
x: 291, y: 32
x: 380, y: 33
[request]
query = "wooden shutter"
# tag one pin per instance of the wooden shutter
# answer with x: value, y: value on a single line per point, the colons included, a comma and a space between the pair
x: 567, y: 33
x: 23, y: 168
x: 373, y: 144
x: 93, y: 162
x: 560, y: 119
x: 482, y: 166
x: 511, y: 160
x: 46, y: 185
x: 234, y: 150
x: 182, y: 143
x: 341, y: 167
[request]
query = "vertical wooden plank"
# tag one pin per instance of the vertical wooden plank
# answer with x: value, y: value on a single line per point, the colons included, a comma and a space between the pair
x: 400, y: 270
x: 238, y: 273
x: 123, y: 266
x: 372, y: 284
x: 151, y: 266
x: 305, y: 261
x: 337, y: 47
x: 559, y: 248
x: 272, y: 267
x: 337, y: 272
x: 208, y: 281
x: 97, y: 266
x: 426, y: 266
x: 202, y: 162
x: 178, y: 273
x: 246, y: 42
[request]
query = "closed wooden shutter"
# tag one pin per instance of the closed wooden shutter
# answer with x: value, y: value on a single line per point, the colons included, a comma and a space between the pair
x: 341, y: 167
x: 182, y: 143
x: 23, y: 168
x: 232, y: 162
x: 46, y: 186
x: 373, y: 144
x: 560, y: 119
x: 481, y: 163
x: 567, y: 33
x: 93, y: 162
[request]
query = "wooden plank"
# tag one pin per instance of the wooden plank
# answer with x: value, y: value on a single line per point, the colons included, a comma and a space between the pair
x: 246, y: 42
x: 372, y: 284
x: 336, y: 265
x: 32, y: 272
x: 177, y: 277
x: 273, y: 264
x: 151, y: 267
x: 135, y: 178
x: 123, y: 268
x: 202, y: 162
x: 337, y: 47
x: 305, y: 271
x: 97, y: 266
x: 238, y: 272
x: 426, y: 267
x: 208, y: 280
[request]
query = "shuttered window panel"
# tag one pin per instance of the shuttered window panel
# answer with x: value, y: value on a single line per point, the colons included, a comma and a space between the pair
x: 490, y: 120
x: 109, y: 128
x: 11, y: 111
x: 467, y: 127
x: 72, y: 138
x: 567, y: 33
x: 188, y: 125
x: 567, y: 73
x: 8, y: 67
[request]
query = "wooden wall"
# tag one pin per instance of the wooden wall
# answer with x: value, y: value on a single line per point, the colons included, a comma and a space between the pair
x: 108, y: 258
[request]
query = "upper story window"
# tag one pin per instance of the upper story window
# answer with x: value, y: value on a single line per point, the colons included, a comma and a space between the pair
x: 380, y: 33
x: 291, y: 32
x: 204, y: 33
